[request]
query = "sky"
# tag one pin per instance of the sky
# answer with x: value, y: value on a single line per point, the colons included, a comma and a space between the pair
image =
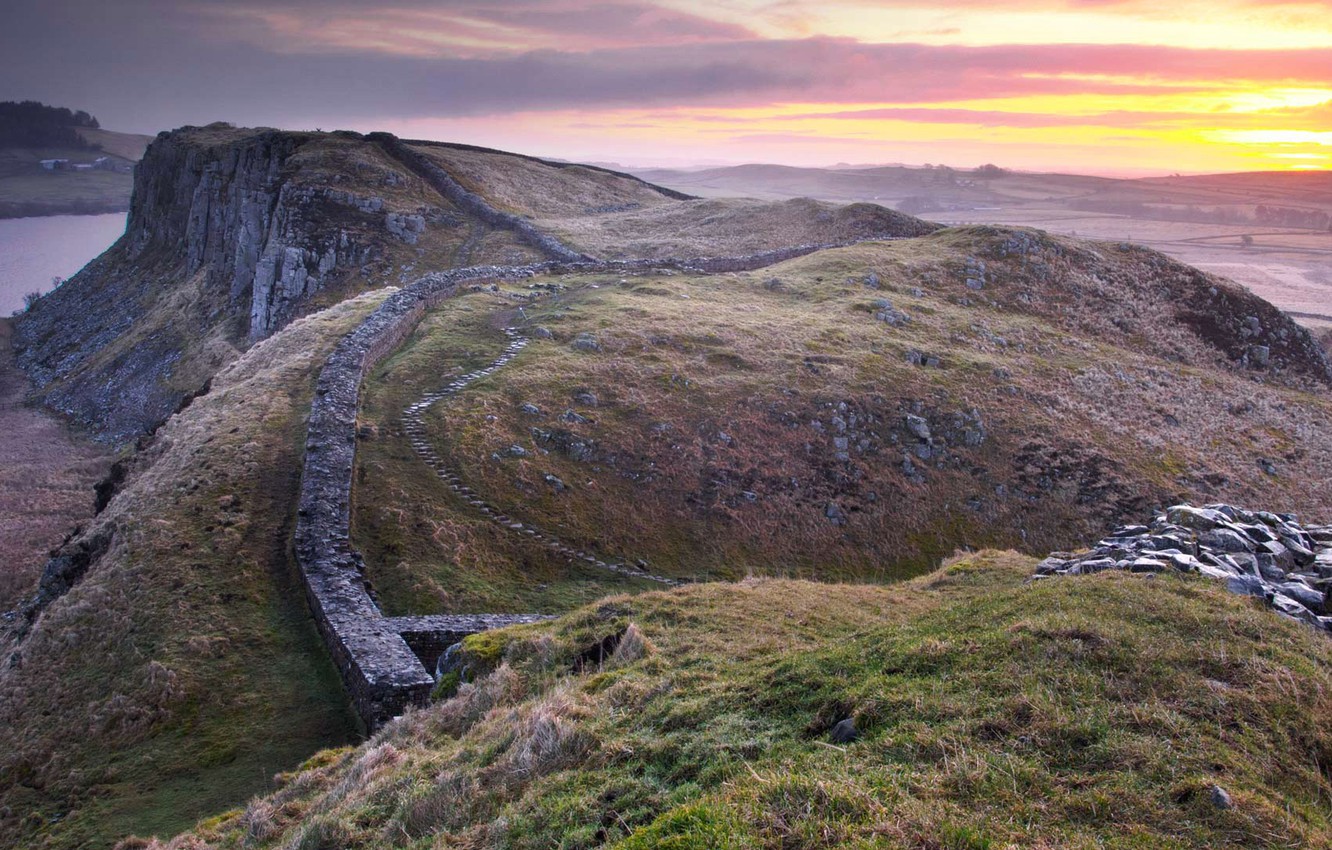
x: 1091, y: 86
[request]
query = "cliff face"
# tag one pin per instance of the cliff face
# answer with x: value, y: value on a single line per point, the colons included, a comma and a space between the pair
x: 231, y: 235
x: 245, y: 218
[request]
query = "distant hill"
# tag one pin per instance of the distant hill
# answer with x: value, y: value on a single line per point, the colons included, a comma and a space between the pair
x: 1271, y: 231
x: 56, y: 161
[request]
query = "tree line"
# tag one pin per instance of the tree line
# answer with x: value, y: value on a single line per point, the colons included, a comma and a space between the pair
x: 29, y: 124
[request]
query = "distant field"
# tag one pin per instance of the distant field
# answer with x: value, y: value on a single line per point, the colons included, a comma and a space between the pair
x: 27, y: 190
x: 1289, y: 266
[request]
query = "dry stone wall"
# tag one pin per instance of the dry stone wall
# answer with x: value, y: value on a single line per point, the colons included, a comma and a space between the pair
x: 381, y: 658
x: 470, y: 202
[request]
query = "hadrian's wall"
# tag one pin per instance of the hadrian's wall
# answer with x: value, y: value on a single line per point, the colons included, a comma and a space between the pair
x: 381, y: 658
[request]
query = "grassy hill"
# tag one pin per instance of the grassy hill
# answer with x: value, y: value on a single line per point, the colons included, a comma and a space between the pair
x: 186, y: 653
x: 770, y: 422
x: 287, y: 223
x: 613, y: 216
x: 992, y: 713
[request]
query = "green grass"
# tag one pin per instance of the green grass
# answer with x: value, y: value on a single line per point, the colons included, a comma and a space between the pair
x: 64, y: 193
x: 1090, y: 712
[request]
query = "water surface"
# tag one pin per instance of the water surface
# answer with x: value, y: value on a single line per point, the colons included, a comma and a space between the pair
x: 34, y: 250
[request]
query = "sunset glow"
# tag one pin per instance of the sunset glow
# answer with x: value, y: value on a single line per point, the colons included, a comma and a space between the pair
x: 1109, y: 87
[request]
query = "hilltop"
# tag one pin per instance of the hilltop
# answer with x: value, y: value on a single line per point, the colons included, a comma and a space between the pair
x: 1267, y: 230
x: 318, y: 408
x: 858, y: 412
x: 233, y: 233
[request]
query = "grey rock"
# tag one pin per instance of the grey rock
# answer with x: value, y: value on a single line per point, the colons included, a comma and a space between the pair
x: 918, y: 426
x: 1220, y: 798
x: 1198, y: 519
x: 833, y: 512
x: 1314, y: 600
x: 845, y: 732
x: 1247, y: 585
x: 586, y: 342
x: 1223, y: 540
x: 1148, y: 565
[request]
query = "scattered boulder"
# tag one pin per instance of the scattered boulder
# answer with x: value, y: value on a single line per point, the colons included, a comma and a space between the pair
x: 1257, y: 553
x: 586, y: 342
x: 834, y: 513
x: 845, y: 732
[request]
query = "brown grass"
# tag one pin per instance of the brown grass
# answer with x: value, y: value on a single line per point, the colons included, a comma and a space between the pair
x: 728, y: 227
x: 186, y: 653
x: 571, y: 203
x: 707, y: 462
x: 525, y: 186
x: 46, y: 481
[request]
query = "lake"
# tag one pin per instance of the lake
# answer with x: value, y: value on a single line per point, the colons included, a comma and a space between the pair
x: 34, y: 250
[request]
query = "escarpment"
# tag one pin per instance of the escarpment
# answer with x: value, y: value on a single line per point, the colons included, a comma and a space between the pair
x: 231, y: 235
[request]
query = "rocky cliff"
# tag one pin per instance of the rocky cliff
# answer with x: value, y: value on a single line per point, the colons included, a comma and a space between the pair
x: 232, y: 234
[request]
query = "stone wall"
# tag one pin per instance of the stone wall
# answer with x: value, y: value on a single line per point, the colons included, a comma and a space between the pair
x: 470, y: 202
x: 380, y: 671
x: 383, y: 660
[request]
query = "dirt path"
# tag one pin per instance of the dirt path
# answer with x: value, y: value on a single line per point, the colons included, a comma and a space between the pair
x: 46, y: 481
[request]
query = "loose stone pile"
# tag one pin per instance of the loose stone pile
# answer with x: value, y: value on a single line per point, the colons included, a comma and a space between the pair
x: 1256, y: 553
x: 416, y: 433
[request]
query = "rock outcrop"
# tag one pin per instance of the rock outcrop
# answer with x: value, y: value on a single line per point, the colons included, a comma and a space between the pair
x: 1257, y: 553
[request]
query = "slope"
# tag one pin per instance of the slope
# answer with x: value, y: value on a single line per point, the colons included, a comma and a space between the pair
x: 1110, y: 712
x: 180, y: 670
x: 857, y: 413
x: 235, y: 232
x: 627, y: 218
